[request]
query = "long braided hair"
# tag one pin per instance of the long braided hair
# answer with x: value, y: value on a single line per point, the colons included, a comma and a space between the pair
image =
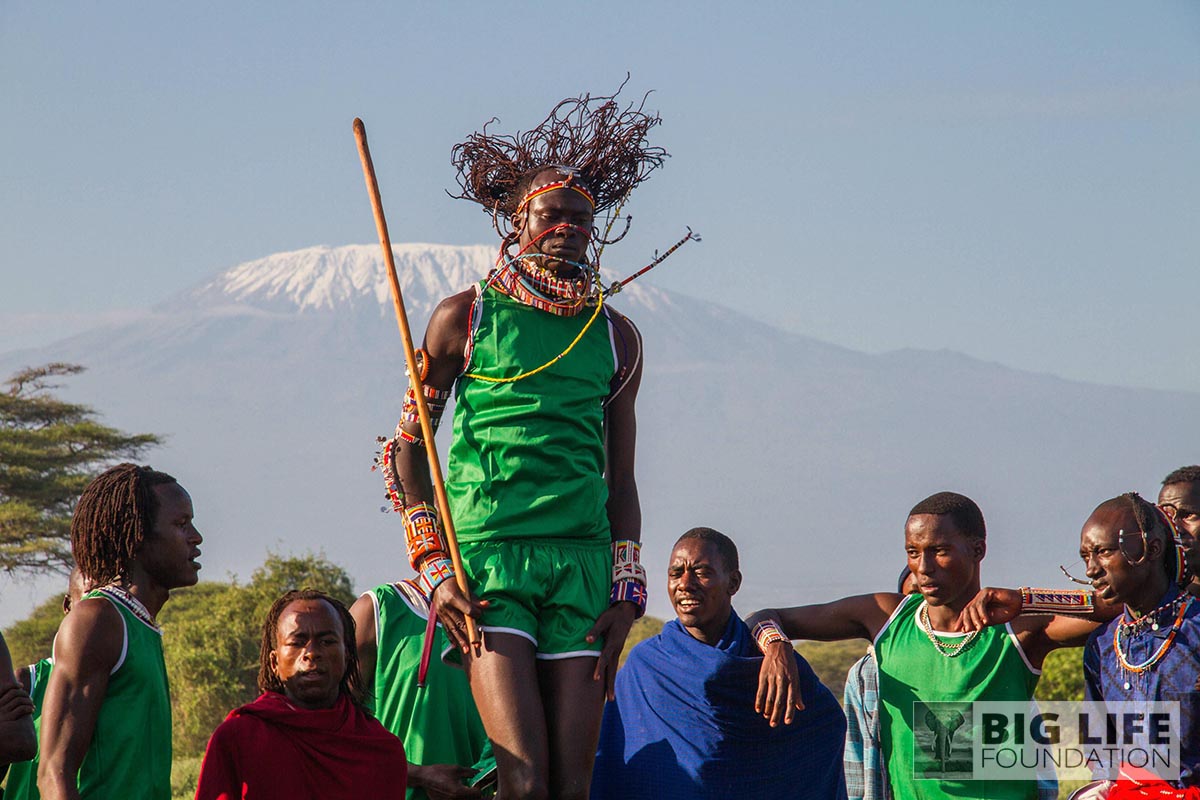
x: 112, y: 519
x: 352, y: 682
x: 601, y: 142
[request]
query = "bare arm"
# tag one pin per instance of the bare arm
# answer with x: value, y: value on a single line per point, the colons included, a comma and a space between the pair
x: 624, y: 508
x: 861, y: 616
x: 445, y: 343
x: 363, y: 612
x: 86, y: 650
x: 1039, y: 634
x: 17, y: 740
x: 858, y: 617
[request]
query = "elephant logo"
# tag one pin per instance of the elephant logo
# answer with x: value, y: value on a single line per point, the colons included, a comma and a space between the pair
x: 943, y: 728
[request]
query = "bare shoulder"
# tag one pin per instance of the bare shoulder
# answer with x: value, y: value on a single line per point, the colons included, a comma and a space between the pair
x: 447, y: 331
x: 363, y: 612
x: 91, y: 636
x: 623, y: 324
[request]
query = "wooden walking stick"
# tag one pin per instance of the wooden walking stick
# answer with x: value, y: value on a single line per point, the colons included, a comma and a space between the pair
x: 414, y: 375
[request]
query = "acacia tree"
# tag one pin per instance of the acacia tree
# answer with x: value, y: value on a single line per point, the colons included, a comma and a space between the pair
x: 49, y: 450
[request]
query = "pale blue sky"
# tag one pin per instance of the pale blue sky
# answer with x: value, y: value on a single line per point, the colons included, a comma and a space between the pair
x: 1016, y: 181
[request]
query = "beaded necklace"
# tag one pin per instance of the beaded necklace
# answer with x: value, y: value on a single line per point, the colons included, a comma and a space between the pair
x: 1162, y: 648
x: 122, y: 596
x: 537, y: 286
x: 947, y: 650
x: 1150, y: 619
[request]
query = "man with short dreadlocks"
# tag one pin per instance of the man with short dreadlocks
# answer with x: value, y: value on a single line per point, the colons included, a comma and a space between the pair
x: 106, y: 719
x: 541, y: 468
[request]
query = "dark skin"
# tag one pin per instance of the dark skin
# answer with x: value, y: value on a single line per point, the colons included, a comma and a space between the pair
x: 945, y: 563
x: 17, y: 739
x: 1181, y: 502
x: 1116, y: 581
x: 77, y: 587
x: 310, y: 654
x: 701, y: 587
x: 543, y: 716
x: 90, y: 640
x: 440, y: 781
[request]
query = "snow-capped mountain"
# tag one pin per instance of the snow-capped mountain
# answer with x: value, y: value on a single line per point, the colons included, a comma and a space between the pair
x: 272, y: 380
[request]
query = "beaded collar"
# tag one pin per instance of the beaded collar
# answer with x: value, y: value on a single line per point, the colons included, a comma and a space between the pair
x: 537, y: 286
x: 122, y: 596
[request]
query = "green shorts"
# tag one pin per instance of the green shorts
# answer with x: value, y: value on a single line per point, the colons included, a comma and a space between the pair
x: 551, y: 594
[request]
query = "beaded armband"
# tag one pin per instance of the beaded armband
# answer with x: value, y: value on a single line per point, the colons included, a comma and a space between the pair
x: 385, y: 463
x: 767, y: 633
x: 629, y: 576
x: 435, y: 401
x: 1056, y: 601
x: 422, y: 534
x: 434, y: 572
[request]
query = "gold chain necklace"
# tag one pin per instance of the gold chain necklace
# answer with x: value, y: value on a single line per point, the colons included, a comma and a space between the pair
x: 947, y: 650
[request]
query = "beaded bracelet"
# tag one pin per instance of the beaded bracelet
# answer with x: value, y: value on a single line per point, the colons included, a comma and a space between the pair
x: 422, y: 534
x: 629, y: 576
x: 435, y: 571
x: 627, y: 556
x: 632, y: 591
x: 1057, y: 601
x: 435, y: 401
x: 767, y: 633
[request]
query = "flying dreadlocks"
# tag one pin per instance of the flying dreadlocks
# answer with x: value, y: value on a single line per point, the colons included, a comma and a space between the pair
x: 540, y: 477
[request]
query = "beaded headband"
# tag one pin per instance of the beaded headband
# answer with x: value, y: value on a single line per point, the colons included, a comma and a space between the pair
x: 568, y: 182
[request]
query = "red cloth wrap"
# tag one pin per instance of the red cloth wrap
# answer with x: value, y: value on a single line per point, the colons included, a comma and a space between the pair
x: 271, y: 749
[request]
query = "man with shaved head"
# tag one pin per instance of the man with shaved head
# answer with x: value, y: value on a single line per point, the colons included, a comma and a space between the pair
x: 1179, y: 498
x: 684, y: 723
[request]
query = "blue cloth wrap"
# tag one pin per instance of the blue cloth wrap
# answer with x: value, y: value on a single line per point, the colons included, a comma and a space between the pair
x: 683, y: 725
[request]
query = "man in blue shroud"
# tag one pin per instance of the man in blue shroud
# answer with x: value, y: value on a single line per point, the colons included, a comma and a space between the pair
x: 684, y: 723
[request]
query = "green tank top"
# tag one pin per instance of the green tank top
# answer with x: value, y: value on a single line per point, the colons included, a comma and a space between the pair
x: 527, y: 458
x: 130, y: 753
x: 911, y: 669
x: 22, y: 776
x: 438, y: 724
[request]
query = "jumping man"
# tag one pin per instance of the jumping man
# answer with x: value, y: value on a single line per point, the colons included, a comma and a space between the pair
x: 541, y: 467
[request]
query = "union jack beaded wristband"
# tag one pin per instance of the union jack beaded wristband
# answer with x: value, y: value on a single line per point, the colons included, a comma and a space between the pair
x: 629, y: 576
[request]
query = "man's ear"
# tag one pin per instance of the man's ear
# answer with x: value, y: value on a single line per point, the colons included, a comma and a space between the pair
x: 980, y: 551
x: 735, y: 582
x: 273, y: 660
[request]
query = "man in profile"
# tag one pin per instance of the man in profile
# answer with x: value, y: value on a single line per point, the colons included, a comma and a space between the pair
x: 307, y: 735
x: 685, y: 723
x: 106, y: 716
x: 1179, y: 499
